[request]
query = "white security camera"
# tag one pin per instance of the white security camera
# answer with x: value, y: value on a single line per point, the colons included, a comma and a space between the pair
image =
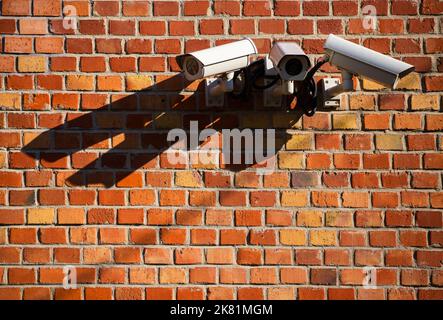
x: 364, y: 62
x: 217, y: 60
x: 221, y: 60
x: 352, y: 59
x: 287, y: 71
x: 290, y: 61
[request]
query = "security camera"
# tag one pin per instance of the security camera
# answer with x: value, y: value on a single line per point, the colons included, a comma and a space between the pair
x: 352, y: 59
x: 364, y: 62
x: 217, y: 60
x: 220, y: 61
x: 290, y: 61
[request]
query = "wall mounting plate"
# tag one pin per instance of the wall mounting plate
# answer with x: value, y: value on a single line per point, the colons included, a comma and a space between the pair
x: 213, y: 100
x: 324, y: 85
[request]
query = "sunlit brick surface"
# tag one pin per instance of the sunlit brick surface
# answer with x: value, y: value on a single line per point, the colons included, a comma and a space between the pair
x: 85, y: 180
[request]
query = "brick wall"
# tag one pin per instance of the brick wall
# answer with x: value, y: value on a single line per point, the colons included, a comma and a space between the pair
x: 84, y: 180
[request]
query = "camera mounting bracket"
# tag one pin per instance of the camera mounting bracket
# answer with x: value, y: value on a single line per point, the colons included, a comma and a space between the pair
x: 330, y: 89
x: 216, y: 87
x: 270, y: 98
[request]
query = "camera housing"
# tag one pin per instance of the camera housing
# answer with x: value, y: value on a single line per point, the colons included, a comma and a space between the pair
x: 290, y: 61
x: 364, y: 62
x: 217, y: 60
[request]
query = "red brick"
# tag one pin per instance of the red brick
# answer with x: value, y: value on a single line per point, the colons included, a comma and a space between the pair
x: 128, y: 293
x: 181, y: 28
x: 430, y: 294
x: 136, y: 8
x: 421, y: 25
x: 434, y: 83
x: 418, y: 142
x: 208, y: 27
x: 228, y: 7
x: 421, y: 65
x: 122, y: 27
x: 382, y: 45
x: 50, y: 82
x: 19, y: 82
x: 399, y: 258
x: 250, y: 294
x: 391, y: 26
x: 196, y: 8
x: 10, y: 179
x: 16, y: 7
x: 341, y: 293
x: 286, y: 8
x: 159, y: 293
x: 340, y: 257
x: 21, y: 197
x: 106, y: 8
x: 10, y: 293
x: 308, y: 257
x: 271, y: 26
x: 166, y: 8
x: 376, y: 161
x: 173, y: 236
x: 11, y: 216
x: 94, y: 27
x: 79, y: 45
x: 188, y: 256
x: 376, y: 121
x: 323, y: 276
x: 404, y: 7
x: 414, y: 199
x: 330, y: 26
x: 232, y: 236
x: 190, y: 294
x: 53, y: 235
x: 143, y: 236
x: 18, y: 44
x: 37, y: 293
x: 311, y: 294
x: 156, y: 28
x: 300, y: 26
x: 257, y: 8
x: 98, y: 293
x: 232, y: 198
x: 316, y: 8
x: 344, y: 8
x: 403, y: 46
x: 157, y: 216
x: 429, y: 219
x: 63, y: 63
x: 391, y: 102
x: 108, y: 46
x: 167, y: 46
x: 92, y: 64
x: 429, y: 258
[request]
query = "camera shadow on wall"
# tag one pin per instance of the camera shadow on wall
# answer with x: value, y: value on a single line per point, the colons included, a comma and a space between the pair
x: 104, y: 142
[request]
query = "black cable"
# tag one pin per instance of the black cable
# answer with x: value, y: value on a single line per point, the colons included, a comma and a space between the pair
x: 251, y: 75
x: 307, y: 93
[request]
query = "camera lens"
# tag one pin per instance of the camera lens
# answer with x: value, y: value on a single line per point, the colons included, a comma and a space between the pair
x: 192, y: 66
x: 293, y: 67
